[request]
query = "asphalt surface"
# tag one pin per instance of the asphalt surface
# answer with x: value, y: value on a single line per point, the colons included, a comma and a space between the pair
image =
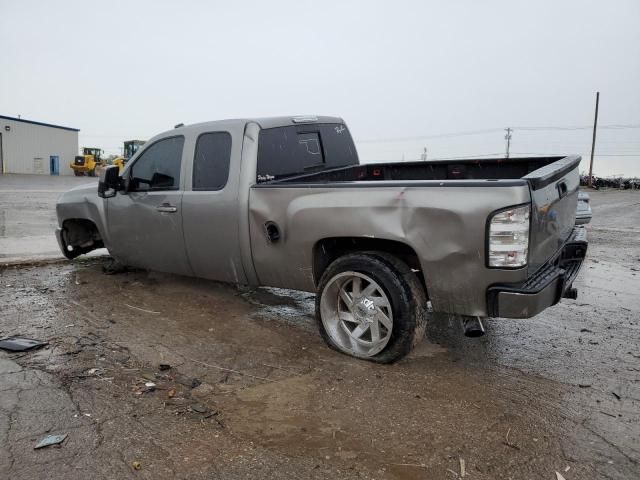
x: 252, y: 391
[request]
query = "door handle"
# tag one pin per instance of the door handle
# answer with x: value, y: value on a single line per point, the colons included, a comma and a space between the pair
x: 166, y: 208
x: 562, y: 189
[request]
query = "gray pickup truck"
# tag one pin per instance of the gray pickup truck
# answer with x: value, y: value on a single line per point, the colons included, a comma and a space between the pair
x: 284, y: 202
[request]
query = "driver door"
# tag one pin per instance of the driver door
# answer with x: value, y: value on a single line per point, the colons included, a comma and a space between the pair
x: 145, y: 222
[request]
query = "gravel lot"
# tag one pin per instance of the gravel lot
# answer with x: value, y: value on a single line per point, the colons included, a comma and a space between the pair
x: 252, y: 392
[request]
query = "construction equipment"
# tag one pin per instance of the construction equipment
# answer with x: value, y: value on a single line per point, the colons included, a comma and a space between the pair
x: 86, y: 163
x: 129, y: 150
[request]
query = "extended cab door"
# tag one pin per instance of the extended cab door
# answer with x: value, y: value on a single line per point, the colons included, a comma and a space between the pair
x: 211, y: 208
x: 145, y: 223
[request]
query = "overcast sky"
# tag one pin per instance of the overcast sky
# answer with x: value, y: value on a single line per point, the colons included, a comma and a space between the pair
x: 393, y: 70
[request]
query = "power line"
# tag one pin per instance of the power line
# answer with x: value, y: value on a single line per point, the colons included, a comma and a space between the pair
x: 463, y: 157
x: 579, y: 127
x: 495, y: 130
x: 426, y: 137
x: 595, y: 155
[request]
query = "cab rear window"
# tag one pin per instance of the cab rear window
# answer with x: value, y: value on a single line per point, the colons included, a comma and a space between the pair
x: 299, y: 149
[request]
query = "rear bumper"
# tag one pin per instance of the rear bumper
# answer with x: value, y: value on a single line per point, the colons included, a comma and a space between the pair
x: 546, y: 287
x: 582, y: 218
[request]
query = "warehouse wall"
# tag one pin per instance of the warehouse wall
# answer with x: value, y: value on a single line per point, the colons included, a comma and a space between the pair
x: 26, y: 147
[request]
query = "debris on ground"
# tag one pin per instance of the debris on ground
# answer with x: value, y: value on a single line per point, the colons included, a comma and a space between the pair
x: 187, y: 381
x: 50, y: 440
x: 136, y: 465
x: 508, y: 443
x: 164, y: 367
x: 617, y: 395
x: 559, y: 476
x: 199, y: 408
x: 141, y: 309
x: 148, y: 375
x: 146, y: 388
x: 114, y: 268
x: 462, y: 468
x: 18, y: 344
x: 608, y: 414
x: 203, y: 392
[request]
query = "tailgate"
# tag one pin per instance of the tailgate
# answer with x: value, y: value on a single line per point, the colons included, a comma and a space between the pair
x: 554, y: 195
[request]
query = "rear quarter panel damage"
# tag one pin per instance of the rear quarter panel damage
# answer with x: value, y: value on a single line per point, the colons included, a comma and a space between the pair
x: 444, y: 225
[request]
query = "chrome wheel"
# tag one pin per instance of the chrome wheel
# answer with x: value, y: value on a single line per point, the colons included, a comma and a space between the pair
x: 356, y: 314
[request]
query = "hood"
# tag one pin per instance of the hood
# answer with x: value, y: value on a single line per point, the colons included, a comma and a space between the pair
x: 79, y: 193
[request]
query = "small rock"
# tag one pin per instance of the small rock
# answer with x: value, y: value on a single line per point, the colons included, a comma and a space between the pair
x: 203, y: 392
x: 187, y: 381
x: 198, y: 407
x: 150, y: 386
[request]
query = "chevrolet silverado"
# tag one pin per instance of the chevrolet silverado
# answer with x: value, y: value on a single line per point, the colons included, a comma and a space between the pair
x: 284, y: 202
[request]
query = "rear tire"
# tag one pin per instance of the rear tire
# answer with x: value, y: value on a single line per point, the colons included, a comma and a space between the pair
x: 370, y: 305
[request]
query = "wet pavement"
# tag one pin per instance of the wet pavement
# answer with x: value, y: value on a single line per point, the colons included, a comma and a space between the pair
x: 252, y: 391
x: 28, y: 215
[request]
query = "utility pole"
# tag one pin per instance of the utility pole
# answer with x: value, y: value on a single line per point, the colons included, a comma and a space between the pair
x: 507, y: 137
x: 593, y: 141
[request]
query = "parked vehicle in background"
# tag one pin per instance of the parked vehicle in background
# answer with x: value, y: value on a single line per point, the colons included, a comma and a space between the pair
x: 284, y: 202
x: 583, y: 211
x: 87, y: 163
x: 611, y: 182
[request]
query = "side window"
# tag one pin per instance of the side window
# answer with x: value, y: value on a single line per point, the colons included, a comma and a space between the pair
x: 158, y: 168
x: 211, y: 161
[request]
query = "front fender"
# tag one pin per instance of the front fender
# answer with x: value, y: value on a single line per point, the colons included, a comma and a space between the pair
x: 82, y: 203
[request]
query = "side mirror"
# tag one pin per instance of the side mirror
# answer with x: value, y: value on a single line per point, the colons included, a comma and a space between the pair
x: 109, y: 181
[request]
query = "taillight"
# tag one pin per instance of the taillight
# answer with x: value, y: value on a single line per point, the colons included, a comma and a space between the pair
x: 509, y: 237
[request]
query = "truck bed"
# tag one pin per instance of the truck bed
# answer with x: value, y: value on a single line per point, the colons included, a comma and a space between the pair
x: 478, y: 187
x: 536, y: 170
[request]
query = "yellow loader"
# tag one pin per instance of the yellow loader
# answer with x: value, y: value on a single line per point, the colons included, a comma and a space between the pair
x: 87, y: 163
x: 130, y: 148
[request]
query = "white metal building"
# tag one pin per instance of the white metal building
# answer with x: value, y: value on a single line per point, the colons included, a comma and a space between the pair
x: 35, y: 147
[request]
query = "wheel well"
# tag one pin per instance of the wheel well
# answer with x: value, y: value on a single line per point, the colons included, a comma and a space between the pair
x: 80, y: 236
x: 328, y: 249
